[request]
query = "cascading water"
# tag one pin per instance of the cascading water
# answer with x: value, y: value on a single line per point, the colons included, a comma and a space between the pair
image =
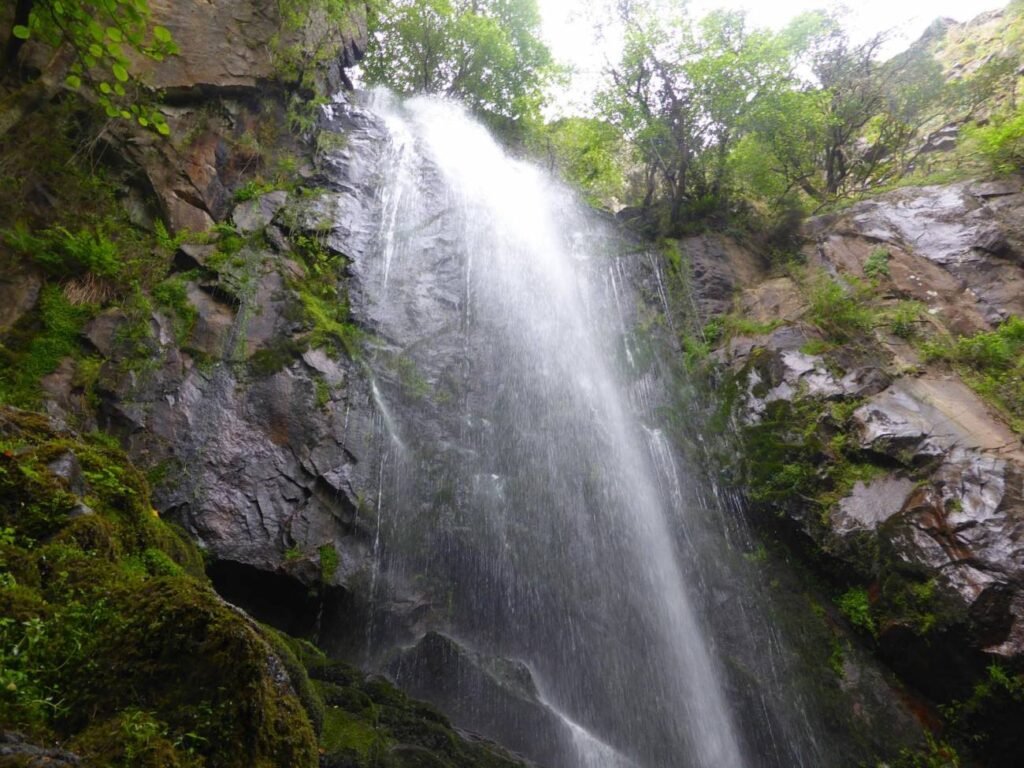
x: 534, y: 507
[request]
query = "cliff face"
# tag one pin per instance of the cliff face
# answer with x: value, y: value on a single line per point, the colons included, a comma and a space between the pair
x: 224, y: 354
x: 184, y: 295
x: 876, y: 395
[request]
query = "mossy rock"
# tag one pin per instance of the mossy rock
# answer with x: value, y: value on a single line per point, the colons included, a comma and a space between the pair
x: 134, y: 739
x: 93, y: 534
x: 111, y: 640
x: 183, y: 654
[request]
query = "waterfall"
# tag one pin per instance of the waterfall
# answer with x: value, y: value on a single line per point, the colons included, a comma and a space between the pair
x: 536, y: 511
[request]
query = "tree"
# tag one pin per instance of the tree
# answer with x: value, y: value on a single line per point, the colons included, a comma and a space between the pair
x: 486, y: 53
x: 843, y: 123
x: 92, y: 45
x: 586, y: 152
x: 682, y: 94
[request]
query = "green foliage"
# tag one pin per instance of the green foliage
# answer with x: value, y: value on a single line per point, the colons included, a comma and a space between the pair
x: 102, y: 37
x: 172, y: 294
x: 934, y: 754
x: 856, y: 606
x: 714, y: 109
x: 486, y: 53
x: 988, y: 717
x: 323, y: 301
x: 904, y: 318
x: 724, y: 327
x: 841, y: 313
x: 329, y: 561
x: 322, y: 393
x: 63, y: 253
x: 1001, y: 141
x: 253, y: 189
x: 991, y: 363
x: 329, y: 324
x: 588, y: 153
x: 38, y: 350
x: 681, y: 94
x: 877, y: 264
x: 413, y: 384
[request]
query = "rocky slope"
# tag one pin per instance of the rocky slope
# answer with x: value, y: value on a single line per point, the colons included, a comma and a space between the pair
x: 878, y: 447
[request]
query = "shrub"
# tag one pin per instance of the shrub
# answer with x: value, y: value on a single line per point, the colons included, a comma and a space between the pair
x: 839, y: 312
x: 1001, y: 142
x: 877, y: 264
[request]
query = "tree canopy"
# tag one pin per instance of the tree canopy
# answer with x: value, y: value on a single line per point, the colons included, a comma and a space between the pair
x: 486, y: 53
x: 712, y: 108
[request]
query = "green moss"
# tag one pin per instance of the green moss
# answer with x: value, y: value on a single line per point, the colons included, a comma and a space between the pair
x: 877, y: 263
x: 37, y: 347
x: 840, y: 312
x: 934, y: 754
x: 413, y: 383
x: 989, y: 718
x: 328, y: 561
x: 110, y: 640
x: 347, y: 735
x: 322, y: 393
x: 904, y: 318
x: 311, y: 701
x: 278, y: 355
x: 910, y: 597
x: 253, y: 189
x: 172, y: 294
x: 856, y: 606
x: 132, y: 739
x: 327, y: 320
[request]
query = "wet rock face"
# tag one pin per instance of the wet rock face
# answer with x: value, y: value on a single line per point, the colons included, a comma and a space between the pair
x: 483, y: 694
x: 945, y: 500
x: 225, y: 98
x: 232, y: 43
x: 719, y: 265
x: 958, y: 248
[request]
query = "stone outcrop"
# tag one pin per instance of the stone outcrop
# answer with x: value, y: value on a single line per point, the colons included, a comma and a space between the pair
x: 957, y: 248
x: 889, y: 472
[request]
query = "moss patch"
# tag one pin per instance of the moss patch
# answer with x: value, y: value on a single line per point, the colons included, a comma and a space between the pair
x: 111, y: 641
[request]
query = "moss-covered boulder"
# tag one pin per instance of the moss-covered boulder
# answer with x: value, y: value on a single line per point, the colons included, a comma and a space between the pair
x: 112, y: 643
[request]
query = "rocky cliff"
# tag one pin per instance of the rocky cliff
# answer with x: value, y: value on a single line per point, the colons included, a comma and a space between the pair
x: 188, y: 296
x: 204, y: 299
x: 876, y: 393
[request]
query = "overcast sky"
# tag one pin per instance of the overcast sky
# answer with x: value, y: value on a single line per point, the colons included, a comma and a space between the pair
x: 568, y: 26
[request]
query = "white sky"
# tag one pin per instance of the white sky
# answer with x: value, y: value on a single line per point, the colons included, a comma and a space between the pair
x: 568, y: 27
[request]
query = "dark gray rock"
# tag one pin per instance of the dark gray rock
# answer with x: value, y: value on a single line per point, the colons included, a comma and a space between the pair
x: 869, y: 505
x: 485, y: 694
x: 102, y: 330
x: 15, y: 749
x: 68, y: 469
x: 19, y: 292
x: 192, y: 255
x: 253, y: 215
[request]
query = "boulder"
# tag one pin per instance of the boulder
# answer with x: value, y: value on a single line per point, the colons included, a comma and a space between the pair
x: 487, y: 694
